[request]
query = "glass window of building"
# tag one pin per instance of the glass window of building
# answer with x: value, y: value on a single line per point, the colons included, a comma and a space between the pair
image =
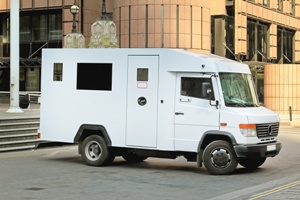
x: 4, y: 27
x: 285, y: 45
x: 279, y: 5
x: 36, y: 29
x: 212, y: 31
x: 292, y: 3
x: 257, y: 40
x: 229, y: 37
x: 55, y: 27
x: 262, y: 42
x: 266, y: 3
x: 288, y: 46
x: 25, y: 28
x: 39, y: 27
x: 251, y: 41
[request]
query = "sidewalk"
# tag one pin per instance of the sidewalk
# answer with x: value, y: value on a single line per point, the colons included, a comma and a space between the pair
x: 285, y: 121
x: 32, y: 111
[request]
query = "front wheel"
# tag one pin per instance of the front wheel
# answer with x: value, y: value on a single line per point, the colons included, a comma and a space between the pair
x: 94, y: 151
x: 252, y: 163
x: 219, y: 158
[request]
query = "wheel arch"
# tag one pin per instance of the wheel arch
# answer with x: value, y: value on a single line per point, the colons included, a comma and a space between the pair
x: 209, y: 137
x: 86, y: 130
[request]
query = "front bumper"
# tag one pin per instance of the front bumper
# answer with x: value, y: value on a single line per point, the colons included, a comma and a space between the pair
x: 258, y: 150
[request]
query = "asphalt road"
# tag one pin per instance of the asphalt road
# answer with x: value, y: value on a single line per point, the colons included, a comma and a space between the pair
x: 59, y: 173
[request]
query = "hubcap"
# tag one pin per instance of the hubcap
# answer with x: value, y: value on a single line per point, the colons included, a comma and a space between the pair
x: 220, y: 158
x: 93, y: 150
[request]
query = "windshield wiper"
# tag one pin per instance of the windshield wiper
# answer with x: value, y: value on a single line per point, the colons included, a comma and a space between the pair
x: 238, y: 104
x: 251, y: 105
x: 235, y: 104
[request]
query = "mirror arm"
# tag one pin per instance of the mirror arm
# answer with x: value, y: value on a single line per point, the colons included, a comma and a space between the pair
x: 210, y: 101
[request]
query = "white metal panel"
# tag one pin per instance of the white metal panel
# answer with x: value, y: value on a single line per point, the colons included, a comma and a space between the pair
x: 64, y: 108
x: 142, y: 119
x: 194, y: 116
x: 233, y: 116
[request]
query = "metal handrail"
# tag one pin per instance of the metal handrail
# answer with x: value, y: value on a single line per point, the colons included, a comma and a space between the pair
x: 33, y: 95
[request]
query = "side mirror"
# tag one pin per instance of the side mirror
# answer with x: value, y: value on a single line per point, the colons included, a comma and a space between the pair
x: 206, y: 90
x: 208, y: 94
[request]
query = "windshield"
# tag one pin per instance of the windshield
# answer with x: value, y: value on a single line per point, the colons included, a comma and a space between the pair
x: 238, y: 90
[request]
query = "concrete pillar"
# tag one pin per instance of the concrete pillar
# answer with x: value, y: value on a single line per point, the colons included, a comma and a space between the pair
x: 14, y: 57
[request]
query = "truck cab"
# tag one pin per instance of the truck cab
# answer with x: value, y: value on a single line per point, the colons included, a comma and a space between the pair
x: 225, y: 108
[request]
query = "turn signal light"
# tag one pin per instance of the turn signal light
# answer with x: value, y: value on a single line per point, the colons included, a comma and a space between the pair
x: 248, y: 126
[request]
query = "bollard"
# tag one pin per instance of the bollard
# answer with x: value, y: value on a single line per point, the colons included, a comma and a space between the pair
x: 290, y: 109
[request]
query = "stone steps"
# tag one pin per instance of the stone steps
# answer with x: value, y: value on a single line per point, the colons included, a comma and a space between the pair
x: 18, y: 133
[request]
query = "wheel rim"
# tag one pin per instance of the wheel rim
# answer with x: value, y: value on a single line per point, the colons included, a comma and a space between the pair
x: 93, y: 150
x: 220, y: 158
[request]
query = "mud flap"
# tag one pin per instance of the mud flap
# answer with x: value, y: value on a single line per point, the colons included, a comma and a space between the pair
x: 199, y: 158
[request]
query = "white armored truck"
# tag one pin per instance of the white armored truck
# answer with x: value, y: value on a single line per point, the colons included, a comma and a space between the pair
x: 139, y: 103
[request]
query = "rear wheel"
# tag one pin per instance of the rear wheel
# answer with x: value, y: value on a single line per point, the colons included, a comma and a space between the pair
x: 252, y: 163
x: 95, y: 152
x: 219, y: 158
x: 133, y: 158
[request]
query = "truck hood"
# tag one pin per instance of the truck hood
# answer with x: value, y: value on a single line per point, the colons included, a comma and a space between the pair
x: 257, y: 115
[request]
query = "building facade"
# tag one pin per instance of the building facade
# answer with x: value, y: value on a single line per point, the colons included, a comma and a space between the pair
x: 43, y: 24
x: 262, y: 33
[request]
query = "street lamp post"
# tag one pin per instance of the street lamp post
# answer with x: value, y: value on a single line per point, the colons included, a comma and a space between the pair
x: 74, y: 10
x: 103, y: 16
x: 74, y: 39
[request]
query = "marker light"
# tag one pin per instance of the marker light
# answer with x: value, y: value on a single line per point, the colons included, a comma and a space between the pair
x: 248, y: 130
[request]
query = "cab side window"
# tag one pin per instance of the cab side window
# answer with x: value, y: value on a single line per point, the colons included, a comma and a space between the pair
x: 191, y: 87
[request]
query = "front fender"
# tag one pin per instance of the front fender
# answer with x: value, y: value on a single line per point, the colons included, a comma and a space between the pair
x: 209, y: 137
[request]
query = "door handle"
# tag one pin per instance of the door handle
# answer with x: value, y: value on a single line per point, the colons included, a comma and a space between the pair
x: 179, y: 113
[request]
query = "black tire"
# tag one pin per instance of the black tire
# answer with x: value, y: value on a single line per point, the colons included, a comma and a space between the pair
x: 252, y: 163
x: 95, y: 152
x: 133, y: 158
x: 219, y: 158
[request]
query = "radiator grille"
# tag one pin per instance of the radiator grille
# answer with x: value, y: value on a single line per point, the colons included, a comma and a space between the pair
x: 267, y: 130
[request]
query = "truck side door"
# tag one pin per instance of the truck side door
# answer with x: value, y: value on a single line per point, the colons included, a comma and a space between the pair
x: 142, y: 101
x: 194, y: 112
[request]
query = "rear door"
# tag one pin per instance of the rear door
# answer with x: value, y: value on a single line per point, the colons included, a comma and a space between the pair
x: 193, y: 113
x: 142, y: 101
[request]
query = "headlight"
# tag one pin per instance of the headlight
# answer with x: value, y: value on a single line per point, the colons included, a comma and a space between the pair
x: 248, y: 130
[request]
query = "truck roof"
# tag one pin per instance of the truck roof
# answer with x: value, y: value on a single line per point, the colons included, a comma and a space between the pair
x: 176, y: 60
x: 204, y: 62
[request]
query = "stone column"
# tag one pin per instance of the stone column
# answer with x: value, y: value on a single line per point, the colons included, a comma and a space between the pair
x: 14, y: 57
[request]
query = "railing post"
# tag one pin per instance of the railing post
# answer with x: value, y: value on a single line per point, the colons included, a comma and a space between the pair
x: 290, y: 110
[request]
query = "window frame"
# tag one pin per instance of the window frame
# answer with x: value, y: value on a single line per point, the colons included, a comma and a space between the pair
x: 260, y: 51
x: 57, y: 72
x: 192, y: 94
